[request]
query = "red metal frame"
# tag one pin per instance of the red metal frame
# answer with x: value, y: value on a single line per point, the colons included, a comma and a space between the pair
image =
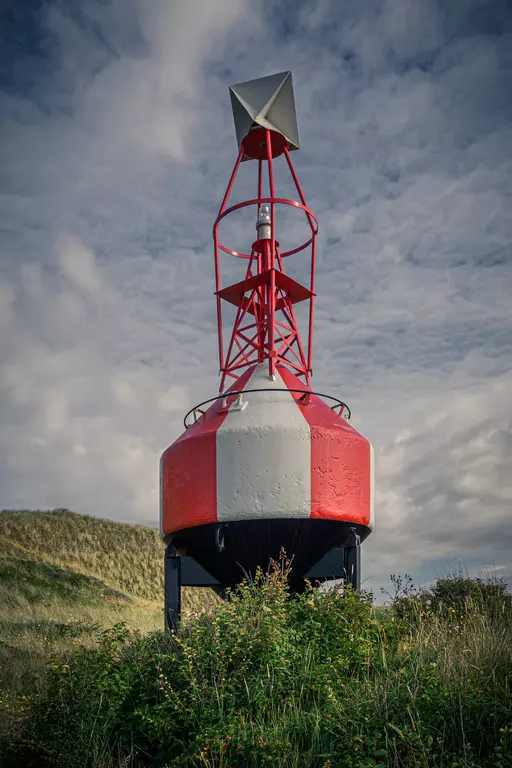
x: 265, y: 325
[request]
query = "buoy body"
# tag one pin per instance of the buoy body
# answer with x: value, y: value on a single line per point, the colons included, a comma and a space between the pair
x: 270, y: 455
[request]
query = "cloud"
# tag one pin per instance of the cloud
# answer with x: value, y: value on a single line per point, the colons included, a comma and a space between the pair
x: 78, y: 265
x: 116, y: 146
x: 445, y: 489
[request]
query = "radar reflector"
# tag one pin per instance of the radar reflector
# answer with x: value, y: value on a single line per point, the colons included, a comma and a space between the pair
x: 267, y: 102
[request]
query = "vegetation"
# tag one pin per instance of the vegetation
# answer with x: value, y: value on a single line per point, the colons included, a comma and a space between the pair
x: 127, y: 557
x: 272, y: 679
x: 64, y: 578
x: 265, y: 678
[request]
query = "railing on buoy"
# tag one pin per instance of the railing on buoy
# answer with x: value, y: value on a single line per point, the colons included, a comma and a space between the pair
x: 304, y: 400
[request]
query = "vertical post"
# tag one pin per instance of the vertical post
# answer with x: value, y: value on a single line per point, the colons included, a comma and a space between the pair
x: 216, y: 253
x: 260, y: 183
x: 172, y: 588
x: 231, y: 181
x: 219, y: 308
x: 313, y: 259
x: 271, y: 318
x: 261, y: 267
x: 311, y: 305
x: 352, y: 560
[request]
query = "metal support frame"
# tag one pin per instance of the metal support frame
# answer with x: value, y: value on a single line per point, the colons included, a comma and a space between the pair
x: 184, y: 571
x: 172, y: 588
x: 329, y: 567
x: 352, y: 560
x: 265, y: 327
x: 181, y: 571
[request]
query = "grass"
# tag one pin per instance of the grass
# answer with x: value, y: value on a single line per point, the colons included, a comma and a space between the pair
x: 126, y: 557
x: 266, y: 678
x: 63, y: 578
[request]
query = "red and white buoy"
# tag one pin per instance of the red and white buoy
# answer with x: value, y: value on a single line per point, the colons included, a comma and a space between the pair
x: 267, y: 463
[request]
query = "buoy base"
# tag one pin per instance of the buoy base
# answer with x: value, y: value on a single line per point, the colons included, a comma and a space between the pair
x: 201, y: 556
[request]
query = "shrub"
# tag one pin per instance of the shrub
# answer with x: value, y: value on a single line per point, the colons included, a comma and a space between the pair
x: 461, y: 594
x: 245, y: 681
x: 454, y: 597
x: 277, y: 679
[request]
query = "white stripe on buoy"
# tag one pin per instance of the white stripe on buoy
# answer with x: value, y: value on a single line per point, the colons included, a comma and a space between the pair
x: 264, y: 455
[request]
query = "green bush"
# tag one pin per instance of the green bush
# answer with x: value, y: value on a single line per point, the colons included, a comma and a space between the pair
x: 459, y: 593
x: 454, y: 597
x: 277, y: 679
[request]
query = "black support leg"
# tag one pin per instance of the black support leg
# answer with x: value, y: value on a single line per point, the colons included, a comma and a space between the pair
x: 172, y: 588
x: 352, y: 558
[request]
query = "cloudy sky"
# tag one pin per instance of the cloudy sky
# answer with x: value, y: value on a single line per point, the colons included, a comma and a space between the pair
x: 116, y: 142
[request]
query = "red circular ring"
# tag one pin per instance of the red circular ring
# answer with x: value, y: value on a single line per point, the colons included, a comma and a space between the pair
x: 259, y: 201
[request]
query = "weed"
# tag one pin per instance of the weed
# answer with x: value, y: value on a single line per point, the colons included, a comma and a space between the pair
x: 270, y: 678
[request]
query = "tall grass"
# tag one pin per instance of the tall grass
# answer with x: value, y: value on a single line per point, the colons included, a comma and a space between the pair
x: 127, y: 558
x: 63, y: 579
x: 274, y: 679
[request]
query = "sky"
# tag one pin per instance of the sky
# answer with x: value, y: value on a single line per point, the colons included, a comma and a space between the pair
x: 116, y: 144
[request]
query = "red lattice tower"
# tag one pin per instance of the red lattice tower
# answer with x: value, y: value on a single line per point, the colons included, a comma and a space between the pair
x: 265, y: 326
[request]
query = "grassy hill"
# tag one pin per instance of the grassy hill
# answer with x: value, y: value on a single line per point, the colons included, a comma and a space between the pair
x: 63, y: 576
x: 126, y: 557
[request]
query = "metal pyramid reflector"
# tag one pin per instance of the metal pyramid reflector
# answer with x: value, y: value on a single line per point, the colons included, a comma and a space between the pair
x: 267, y: 102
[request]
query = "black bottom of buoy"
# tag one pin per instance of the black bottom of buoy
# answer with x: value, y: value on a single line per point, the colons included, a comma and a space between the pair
x: 224, y: 554
x: 233, y: 550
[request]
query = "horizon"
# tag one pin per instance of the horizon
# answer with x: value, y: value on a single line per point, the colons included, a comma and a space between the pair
x: 380, y: 595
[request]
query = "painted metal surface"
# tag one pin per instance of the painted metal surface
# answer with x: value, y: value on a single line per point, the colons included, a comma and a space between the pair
x: 341, y: 462
x: 267, y: 102
x: 265, y: 326
x: 266, y: 456
x: 189, y: 472
x: 277, y: 457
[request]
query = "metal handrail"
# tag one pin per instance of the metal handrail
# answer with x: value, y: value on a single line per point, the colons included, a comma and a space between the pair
x: 265, y: 389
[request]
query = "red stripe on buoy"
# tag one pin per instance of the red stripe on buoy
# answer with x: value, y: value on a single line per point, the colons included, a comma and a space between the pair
x: 340, y: 461
x: 189, y: 470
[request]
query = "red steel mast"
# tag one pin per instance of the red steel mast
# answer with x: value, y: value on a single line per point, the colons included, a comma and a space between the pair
x: 265, y: 326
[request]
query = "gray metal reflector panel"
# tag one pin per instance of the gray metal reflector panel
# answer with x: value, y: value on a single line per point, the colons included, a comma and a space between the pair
x: 267, y: 102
